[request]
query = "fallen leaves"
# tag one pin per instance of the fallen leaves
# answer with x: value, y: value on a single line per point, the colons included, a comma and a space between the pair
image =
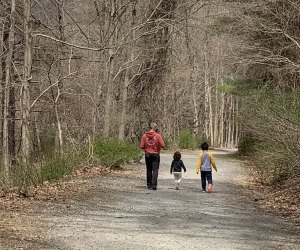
x: 282, y: 199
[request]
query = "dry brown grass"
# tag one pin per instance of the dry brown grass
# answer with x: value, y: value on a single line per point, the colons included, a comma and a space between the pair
x: 280, y: 199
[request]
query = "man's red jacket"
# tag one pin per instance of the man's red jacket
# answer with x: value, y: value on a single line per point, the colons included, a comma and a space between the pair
x: 152, y: 142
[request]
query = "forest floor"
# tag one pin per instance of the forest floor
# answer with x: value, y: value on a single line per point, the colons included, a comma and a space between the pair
x: 116, y: 211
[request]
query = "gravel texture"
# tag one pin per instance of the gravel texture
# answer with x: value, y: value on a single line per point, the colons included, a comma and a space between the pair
x: 123, y: 214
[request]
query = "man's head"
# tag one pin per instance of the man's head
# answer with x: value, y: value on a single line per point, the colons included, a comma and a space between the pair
x: 154, y: 126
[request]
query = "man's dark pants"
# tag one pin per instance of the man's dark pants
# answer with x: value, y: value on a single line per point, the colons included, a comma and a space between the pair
x: 152, y: 165
x: 206, y: 175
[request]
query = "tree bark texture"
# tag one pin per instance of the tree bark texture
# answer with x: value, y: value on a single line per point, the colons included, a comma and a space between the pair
x: 6, y: 92
x: 25, y: 90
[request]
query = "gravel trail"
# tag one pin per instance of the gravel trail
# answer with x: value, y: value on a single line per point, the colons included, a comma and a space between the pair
x: 123, y: 214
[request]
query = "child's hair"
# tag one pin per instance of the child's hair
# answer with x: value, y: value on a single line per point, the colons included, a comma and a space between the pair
x: 204, y: 146
x: 177, y: 156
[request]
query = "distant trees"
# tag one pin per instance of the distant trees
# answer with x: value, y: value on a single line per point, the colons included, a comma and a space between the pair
x: 270, y: 88
x: 199, y: 82
x: 75, y: 70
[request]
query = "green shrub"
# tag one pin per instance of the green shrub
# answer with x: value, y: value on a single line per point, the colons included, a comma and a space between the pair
x: 272, y: 116
x: 187, y: 140
x: 274, y: 162
x: 169, y: 143
x: 24, y: 176
x: 248, y: 145
x: 59, y: 166
x: 43, y: 168
x: 115, y: 153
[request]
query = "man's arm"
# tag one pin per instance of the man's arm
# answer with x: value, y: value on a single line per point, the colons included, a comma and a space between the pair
x: 161, y: 141
x: 142, y: 144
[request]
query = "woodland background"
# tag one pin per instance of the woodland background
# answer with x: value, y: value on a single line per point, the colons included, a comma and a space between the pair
x: 85, y: 78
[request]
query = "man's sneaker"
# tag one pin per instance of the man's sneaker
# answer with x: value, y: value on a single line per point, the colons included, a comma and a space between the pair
x: 203, y: 191
x: 154, y: 188
x: 209, y: 188
x: 149, y: 187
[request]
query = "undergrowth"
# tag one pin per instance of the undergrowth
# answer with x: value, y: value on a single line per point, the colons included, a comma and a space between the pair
x: 49, y: 166
x: 114, y: 153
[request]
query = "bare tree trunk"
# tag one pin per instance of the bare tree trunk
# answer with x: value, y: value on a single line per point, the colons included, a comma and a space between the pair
x: 108, y: 101
x: 58, y: 122
x: 97, y: 96
x: 99, y: 82
x: 207, y: 79
x: 232, y: 117
x: 61, y: 73
x: 211, y: 132
x: 2, y: 77
x: 37, y: 133
x: 237, y: 131
x: 229, y: 124
x: 192, y: 82
x: 127, y: 81
x: 6, y: 92
x: 124, y: 106
x: 25, y: 92
x: 206, y: 98
x: 221, y: 114
x: 195, y: 116
x: 175, y: 123
x: 110, y: 71
x: 12, y: 121
x: 216, y: 121
x: 217, y: 96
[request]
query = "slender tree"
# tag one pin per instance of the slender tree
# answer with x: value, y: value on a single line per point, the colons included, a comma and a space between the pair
x: 6, y: 90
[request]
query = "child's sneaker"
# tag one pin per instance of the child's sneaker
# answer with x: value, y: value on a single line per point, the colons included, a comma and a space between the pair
x: 209, y: 188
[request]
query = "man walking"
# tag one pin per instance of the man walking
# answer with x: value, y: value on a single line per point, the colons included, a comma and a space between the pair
x: 152, y: 143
